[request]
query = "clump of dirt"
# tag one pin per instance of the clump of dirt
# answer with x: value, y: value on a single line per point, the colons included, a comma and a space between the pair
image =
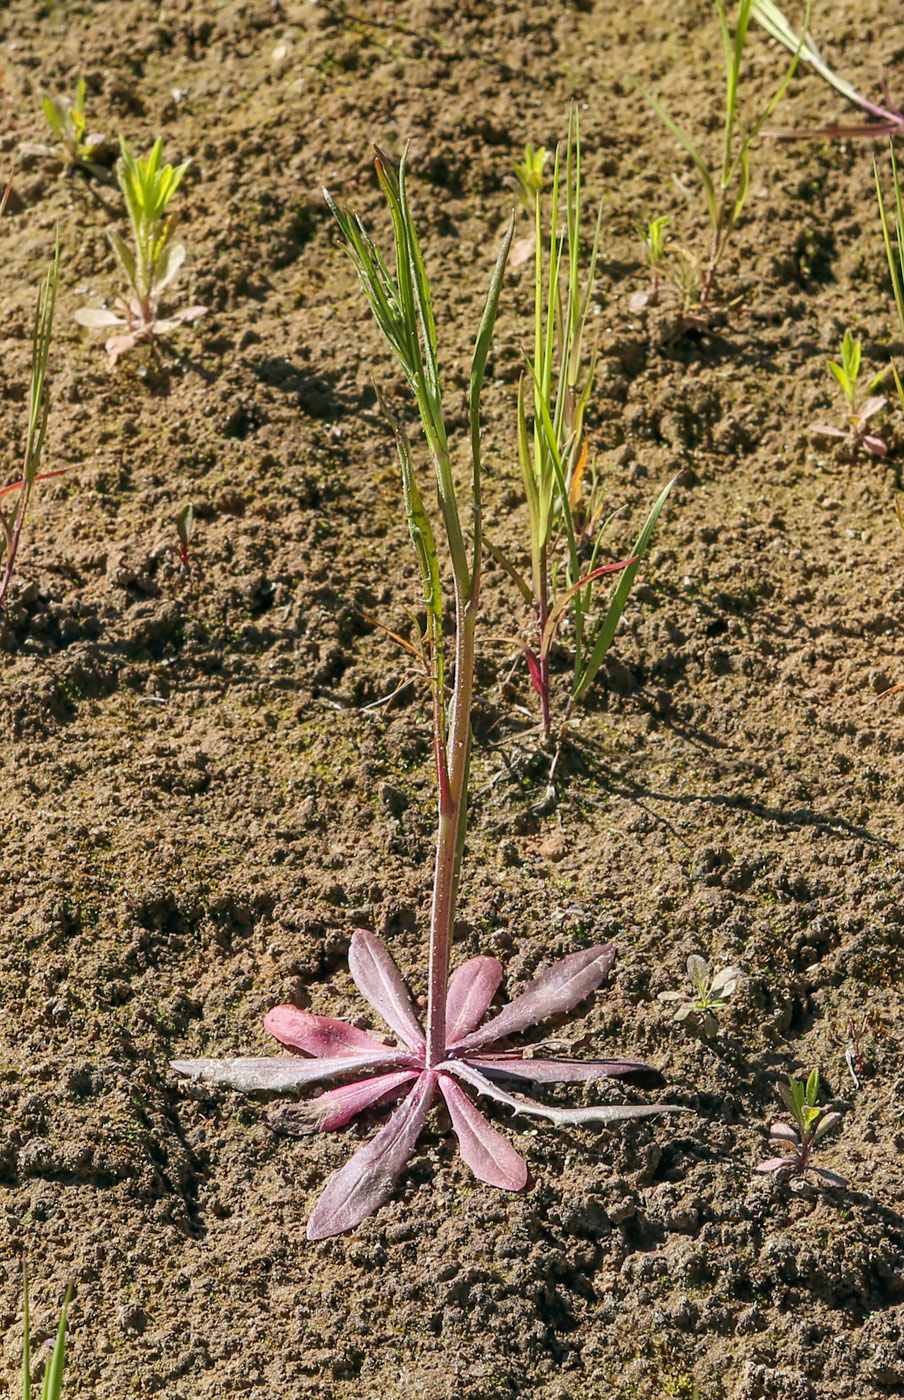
x: 211, y: 780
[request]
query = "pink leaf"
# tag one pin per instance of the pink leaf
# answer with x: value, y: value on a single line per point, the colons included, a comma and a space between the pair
x: 490, y: 1156
x: 823, y: 430
x: 774, y: 1164
x: 557, y: 989
x: 119, y: 344
x: 379, y: 980
x: 283, y: 1071
x: 563, y: 1071
x: 783, y: 1132
x: 368, y: 1178
x: 871, y: 407
x: 317, y: 1035
x: 337, y: 1107
x: 96, y: 316
x: 599, y: 1113
x: 471, y: 990
x: 878, y: 446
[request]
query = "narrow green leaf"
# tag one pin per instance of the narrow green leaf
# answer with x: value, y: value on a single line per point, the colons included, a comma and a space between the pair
x: 709, y: 190
x: 606, y: 632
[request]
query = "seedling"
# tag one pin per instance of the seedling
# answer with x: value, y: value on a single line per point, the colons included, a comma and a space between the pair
x: 149, y: 267
x: 12, y: 519
x: 78, y: 147
x: 185, y: 528
x: 888, y: 120
x: 454, y: 1053
x: 859, y: 410
x: 653, y: 239
x: 567, y: 524
x: 52, y: 1386
x: 725, y: 189
x: 711, y: 992
x: 811, y: 1123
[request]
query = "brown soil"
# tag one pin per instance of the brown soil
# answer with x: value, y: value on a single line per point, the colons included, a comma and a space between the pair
x: 201, y: 800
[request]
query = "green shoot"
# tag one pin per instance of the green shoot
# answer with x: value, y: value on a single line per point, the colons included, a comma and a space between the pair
x: 150, y: 265
x: 654, y: 241
x: 566, y: 524
x: 52, y: 1386
x: 78, y: 148
x: 725, y: 187
x: 13, y: 519
x: 894, y: 250
x: 797, y: 1142
x: 860, y: 409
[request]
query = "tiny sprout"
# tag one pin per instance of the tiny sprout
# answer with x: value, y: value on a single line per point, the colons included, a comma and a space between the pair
x: 699, y: 1011
x: 859, y: 412
x: 66, y: 118
x: 147, y: 186
x: 811, y: 1123
x: 653, y: 238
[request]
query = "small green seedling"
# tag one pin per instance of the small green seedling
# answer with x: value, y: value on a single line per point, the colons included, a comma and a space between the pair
x: 811, y: 1123
x: 698, y: 1011
x: 52, y: 1387
x: 149, y: 266
x: 859, y: 410
x: 78, y: 147
x: 653, y: 238
x: 725, y: 188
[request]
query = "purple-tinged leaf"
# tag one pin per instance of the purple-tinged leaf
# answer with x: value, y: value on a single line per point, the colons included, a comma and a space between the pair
x: 368, y: 1178
x: 783, y: 1132
x: 491, y: 1157
x: 317, y: 1035
x: 556, y: 990
x: 380, y: 982
x: 339, y: 1106
x: 471, y: 990
x: 96, y: 316
x: 600, y: 1113
x: 776, y: 1164
x: 825, y: 1125
x: 830, y: 1178
x: 564, y: 1071
x: 823, y: 430
x: 283, y: 1071
x: 871, y: 407
x: 878, y: 446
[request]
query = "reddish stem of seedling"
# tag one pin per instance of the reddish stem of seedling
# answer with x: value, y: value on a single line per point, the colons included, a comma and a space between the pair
x: 452, y: 777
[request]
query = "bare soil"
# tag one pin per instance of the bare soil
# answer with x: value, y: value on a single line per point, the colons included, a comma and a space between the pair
x: 202, y: 797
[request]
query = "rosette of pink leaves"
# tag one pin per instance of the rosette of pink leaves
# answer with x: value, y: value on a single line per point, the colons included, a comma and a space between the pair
x: 380, y: 1073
